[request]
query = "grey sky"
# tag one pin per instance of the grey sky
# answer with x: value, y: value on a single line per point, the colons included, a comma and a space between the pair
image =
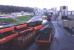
x: 39, y: 3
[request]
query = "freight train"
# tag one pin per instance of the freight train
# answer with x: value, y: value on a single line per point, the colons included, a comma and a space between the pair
x: 68, y: 24
x: 20, y: 36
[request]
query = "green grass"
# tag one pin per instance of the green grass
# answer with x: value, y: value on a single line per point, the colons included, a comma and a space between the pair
x: 7, y: 20
x: 18, y: 20
x: 22, y: 19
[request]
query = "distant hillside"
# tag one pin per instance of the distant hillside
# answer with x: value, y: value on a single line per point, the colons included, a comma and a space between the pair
x: 9, y: 9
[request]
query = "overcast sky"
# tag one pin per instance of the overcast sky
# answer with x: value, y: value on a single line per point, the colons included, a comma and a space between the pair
x: 39, y: 3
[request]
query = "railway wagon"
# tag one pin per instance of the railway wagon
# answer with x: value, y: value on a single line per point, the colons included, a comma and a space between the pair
x: 17, y: 36
x: 44, y: 38
x: 69, y: 25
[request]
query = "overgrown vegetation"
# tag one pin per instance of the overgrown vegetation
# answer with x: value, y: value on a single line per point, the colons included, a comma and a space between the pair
x: 7, y: 20
x: 18, y: 20
x: 23, y: 19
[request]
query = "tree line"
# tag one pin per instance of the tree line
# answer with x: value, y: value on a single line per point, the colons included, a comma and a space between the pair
x: 9, y: 9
